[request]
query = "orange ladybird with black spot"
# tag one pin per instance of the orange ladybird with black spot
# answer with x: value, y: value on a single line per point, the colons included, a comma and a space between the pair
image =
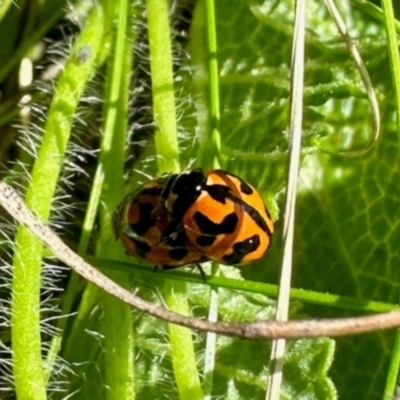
x: 222, y: 215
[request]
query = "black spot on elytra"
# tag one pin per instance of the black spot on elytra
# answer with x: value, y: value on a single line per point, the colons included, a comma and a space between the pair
x: 210, y: 229
x: 141, y: 248
x: 178, y: 253
x: 204, y: 241
x: 244, y: 186
x: 218, y: 192
x: 226, y: 226
x: 242, y: 249
x: 146, y: 219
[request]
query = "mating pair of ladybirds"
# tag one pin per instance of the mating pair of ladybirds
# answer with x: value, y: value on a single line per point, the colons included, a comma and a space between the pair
x: 193, y: 217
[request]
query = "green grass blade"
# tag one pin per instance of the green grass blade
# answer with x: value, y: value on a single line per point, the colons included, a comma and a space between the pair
x: 374, y: 11
x: 4, y: 6
x: 11, y: 63
x: 184, y: 362
x: 27, y: 361
x: 209, y: 156
x: 210, y: 148
x: 118, y: 333
x: 306, y: 296
x: 162, y: 86
x: 393, y: 50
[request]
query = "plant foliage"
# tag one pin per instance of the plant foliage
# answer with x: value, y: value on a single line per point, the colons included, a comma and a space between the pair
x: 61, y: 338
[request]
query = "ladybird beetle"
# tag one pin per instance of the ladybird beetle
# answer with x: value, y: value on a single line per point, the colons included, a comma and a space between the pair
x: 147, y: 233
x: 222, y: 215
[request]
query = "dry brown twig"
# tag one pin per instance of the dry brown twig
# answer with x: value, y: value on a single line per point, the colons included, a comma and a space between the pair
x: 15, y: 206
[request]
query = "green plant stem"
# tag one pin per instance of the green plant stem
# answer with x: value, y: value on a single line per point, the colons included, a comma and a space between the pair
x: 76, y: 284
x: 392, y: 375
x: 182, y: 351
x: 394, y: 57
x: 211, y: 341
x: 38, y: 33
x: 162, y: 86
x: 374, y: 11
x: 4, y: 7
x: 214, y: 142
x: 73, y: 346
x: 25, y: 305
x: 118, y: 332
x: 306, y: 296
x: 199, y: 52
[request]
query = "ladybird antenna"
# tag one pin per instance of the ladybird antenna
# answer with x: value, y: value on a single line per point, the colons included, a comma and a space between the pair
x: 190, y: 163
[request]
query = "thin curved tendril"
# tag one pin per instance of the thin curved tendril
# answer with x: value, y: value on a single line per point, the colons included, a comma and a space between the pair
x: 373, y: 102
x: 15, y: 206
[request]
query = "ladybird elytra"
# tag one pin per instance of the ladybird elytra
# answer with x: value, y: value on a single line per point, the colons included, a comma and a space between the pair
x: 222, y: 215
x: 192, y: 217
x: 143, y: 226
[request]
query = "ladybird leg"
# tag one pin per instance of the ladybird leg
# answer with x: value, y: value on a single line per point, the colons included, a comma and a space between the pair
x: 169, y: 267
x: 163, y: 267
x: 202, y: 273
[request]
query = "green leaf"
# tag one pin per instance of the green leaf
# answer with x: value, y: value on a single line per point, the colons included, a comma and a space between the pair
x: 346, y: 230
x: 346, y: 225
x: 243, y: 364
